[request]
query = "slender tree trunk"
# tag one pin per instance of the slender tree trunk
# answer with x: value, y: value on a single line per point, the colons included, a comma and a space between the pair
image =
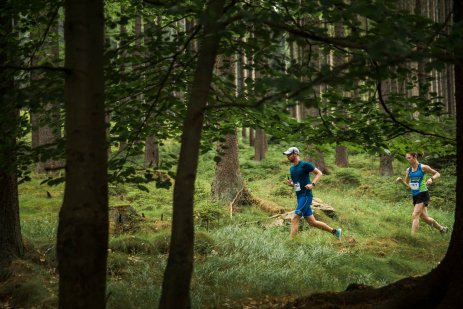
x: 260, y: 145
x: 11, y: 245
x: 151, y: 152
x: 45, y: 118
x: 252, y: 137
x: 83, y: 219
x: 177, y: 276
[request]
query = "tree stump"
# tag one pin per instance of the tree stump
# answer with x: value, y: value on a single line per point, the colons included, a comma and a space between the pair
x: 123, y: 219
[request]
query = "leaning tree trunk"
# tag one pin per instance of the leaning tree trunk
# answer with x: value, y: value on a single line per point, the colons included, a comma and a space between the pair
x: 177, y: 275
x: 83, y: 219
x: 11, y: 244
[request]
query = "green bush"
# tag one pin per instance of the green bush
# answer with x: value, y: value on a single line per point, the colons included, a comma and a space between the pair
x: 117, y: 190
x: 161, y: 242
x: 204, y: 243
x: 117, y: 262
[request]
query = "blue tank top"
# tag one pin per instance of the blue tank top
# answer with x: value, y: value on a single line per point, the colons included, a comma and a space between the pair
x: 417, y: 183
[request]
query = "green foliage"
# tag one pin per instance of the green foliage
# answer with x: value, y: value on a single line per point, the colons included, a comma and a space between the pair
x: 246, y: 256
x: 345, y: 177
x: 131, y: 245
x: 161, y: 242
x: 204, y: 243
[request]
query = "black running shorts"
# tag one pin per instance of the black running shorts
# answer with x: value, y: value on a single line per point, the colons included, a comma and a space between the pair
x: 422, y: 197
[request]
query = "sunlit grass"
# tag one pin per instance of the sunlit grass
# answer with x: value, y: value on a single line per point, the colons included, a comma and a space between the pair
x: 241, y: 256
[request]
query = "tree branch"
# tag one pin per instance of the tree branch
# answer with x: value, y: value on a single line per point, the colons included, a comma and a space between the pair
x: 410, y: 129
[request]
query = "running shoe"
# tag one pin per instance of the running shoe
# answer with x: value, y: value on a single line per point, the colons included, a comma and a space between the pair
x: 338, y: 233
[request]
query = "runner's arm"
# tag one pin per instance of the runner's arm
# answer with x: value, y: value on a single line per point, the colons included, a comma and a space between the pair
x: 434, y: 174
x: 404, y: 181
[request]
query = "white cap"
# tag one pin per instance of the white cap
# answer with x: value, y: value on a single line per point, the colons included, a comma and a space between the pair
x: 291, y: 150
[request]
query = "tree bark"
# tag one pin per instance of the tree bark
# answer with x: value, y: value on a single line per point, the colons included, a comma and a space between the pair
x: 252, y: 137
x: 227, y: 180
x: 385, y: 165
x: 342, y: 158
x: 318, y: 159
x: 151, y: 152
x: 83, y: 220
x: 11, y: 245
x: 260, y: 145
x: 177, y: 275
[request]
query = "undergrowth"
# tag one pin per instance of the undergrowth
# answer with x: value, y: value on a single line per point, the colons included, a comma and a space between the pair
x: 242, y: 255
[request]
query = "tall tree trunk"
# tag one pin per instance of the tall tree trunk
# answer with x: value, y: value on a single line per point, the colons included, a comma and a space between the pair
x: 227, y: 180
x: 151, y: 152
x: 45, y: 119
x: 342, y: 157
x: 11, y: 245
x: 240, y: 85
x: 177, y: 276
x: 252, y: 137
x: 151, y: 143
x: 83, y: 220
x: 260, y: 145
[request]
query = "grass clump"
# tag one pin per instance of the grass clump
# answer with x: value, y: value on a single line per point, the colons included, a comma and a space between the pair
x: 131, y: 245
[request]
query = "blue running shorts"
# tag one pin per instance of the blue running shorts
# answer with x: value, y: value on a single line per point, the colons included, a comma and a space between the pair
x: 303, y: 208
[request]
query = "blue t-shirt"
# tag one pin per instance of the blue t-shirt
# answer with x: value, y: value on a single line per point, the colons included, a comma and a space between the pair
x: 300, y: 177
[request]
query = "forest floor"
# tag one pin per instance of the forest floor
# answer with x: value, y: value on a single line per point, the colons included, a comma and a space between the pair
x: 244, y: 261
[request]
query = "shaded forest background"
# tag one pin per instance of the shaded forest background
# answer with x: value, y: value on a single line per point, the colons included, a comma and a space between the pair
x: 87, y: 86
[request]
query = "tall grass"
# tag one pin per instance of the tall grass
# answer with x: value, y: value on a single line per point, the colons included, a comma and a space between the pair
x: 243, y: 257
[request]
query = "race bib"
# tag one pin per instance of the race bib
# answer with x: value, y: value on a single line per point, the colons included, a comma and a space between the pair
x: 297, y: 187
x: 414, y: 185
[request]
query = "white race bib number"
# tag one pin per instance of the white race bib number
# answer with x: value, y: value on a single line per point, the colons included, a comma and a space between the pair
x: 414, y: 185
x: 297, y: 187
